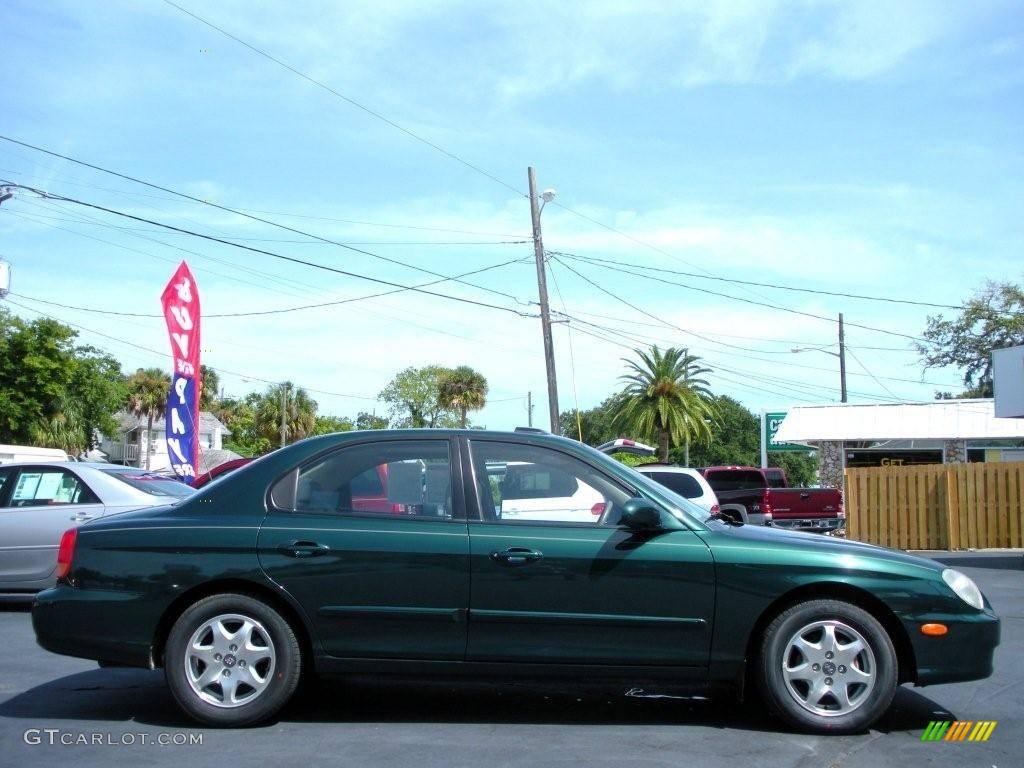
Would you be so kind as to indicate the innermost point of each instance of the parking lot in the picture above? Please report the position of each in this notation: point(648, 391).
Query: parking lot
point(103, 715)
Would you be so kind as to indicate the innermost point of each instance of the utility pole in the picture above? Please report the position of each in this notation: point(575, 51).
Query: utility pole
point(542, 287)
point(842, 359)
point(284, 409)
point(529, 409)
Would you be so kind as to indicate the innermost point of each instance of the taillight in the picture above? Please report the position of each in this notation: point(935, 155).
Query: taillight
point(841, 514)
point(66, 553)
point(715, 509)
point(598, 509)
point(766, 503)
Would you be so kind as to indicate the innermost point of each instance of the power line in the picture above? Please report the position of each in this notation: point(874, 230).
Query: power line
point(282, 257)
point(290, 214)
point(165, 355)
point(645, 312)
point(737, 298)
point(232, 211)
point(348, 99)
point(283, 310)
point(596, 260)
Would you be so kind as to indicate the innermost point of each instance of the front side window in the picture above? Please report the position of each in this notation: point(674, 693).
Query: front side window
point(408, 478)
point(520, 483)
point(735, 480)
point(44, 487)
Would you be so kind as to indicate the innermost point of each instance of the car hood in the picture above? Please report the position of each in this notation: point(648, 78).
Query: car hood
point(819, 543)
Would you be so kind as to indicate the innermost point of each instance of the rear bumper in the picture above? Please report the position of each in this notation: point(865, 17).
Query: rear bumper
point(964, 653)
point(810, 523)
point(86, 624)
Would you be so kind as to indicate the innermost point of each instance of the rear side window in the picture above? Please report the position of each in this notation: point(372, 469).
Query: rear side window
point(740, 480)
point(775, 478)
point(152, 483)
point(683, 484)
point(387, 479)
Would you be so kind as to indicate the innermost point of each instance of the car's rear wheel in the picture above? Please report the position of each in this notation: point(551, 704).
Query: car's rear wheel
point(232, 660)
point(828, 666)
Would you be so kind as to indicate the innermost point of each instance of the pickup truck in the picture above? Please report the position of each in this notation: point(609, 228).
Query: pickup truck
point(761, 497)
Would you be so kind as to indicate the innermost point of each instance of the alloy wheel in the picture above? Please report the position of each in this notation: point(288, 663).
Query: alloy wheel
point(229, 660)
point(829, 668)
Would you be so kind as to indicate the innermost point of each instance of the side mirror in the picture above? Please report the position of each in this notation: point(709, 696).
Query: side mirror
point(640, 515)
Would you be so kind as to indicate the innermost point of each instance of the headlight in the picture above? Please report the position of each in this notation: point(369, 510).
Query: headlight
point(964, 587)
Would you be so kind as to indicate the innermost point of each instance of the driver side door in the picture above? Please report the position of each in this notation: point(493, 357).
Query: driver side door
point(557, 580)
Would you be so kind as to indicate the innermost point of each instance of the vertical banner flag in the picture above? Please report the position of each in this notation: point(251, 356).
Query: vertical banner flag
point(180, 301)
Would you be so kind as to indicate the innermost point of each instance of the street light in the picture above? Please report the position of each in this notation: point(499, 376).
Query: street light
point(542, 289)
point(841, 354)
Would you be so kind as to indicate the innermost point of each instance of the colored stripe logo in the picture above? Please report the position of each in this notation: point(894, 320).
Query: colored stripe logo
point(958, 730)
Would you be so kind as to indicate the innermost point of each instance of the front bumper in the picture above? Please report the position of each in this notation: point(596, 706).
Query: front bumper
point(964, 653)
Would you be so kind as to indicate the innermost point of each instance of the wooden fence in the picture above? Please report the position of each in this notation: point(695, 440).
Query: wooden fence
point(937, 506)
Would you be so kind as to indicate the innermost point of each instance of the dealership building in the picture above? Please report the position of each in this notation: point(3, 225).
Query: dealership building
point(943, 431)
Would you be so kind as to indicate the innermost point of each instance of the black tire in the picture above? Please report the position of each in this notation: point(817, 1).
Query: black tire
point(258, 701)
point(800, 703)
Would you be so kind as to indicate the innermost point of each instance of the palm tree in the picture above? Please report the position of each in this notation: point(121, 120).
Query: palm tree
point(299, 414)
point(665, 396)
point(147, 397)
point(464, 390)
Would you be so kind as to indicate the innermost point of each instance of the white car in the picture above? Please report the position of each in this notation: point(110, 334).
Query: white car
point(688, 483)
point(41, 500)
point(542, 493)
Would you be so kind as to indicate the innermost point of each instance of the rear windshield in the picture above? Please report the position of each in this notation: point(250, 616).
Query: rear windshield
point(683, 484)
point(152, 483)
point(735, 480)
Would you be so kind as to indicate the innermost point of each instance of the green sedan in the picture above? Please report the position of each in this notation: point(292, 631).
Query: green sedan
point(498, 555)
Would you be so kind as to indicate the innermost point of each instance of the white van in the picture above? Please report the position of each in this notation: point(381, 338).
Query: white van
point(25, 453)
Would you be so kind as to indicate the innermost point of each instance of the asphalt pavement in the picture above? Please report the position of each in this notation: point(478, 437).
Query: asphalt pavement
point(105, 715)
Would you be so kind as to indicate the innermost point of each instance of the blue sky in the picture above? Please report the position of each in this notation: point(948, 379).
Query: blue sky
point(870, 148)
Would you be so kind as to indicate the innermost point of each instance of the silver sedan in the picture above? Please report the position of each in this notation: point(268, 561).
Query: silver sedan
point(38, 502)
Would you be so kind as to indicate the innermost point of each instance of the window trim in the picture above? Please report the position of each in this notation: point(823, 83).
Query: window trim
point(478, 505)
point(455, 477)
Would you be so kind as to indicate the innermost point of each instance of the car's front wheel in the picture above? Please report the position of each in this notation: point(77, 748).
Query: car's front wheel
point(828, 666)
point(231, 660)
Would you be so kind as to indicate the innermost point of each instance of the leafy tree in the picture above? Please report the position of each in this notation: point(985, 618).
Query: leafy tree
point(53, 393)
point(462, 390)
point(737, 440)
point(299, 416)
point(665, 398)
point(370, 421)
point(325, 425)
point(414, 399)
point(991, 319)
point(596, 423)
point(147, 391)
point(209, 392)
point(239, 416)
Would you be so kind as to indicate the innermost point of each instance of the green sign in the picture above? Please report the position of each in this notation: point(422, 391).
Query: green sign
point(772, 422)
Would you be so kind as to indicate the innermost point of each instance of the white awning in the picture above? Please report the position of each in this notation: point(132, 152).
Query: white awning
point(943, 420)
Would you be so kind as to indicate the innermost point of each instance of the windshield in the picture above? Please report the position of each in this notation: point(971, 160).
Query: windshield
point(152, 483)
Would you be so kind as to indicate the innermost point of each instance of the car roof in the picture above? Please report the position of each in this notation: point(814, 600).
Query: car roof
point(668, 468)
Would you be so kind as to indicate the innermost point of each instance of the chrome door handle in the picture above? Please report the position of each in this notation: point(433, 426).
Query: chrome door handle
point(517, 556)
point(81, 518)
point(303, 549)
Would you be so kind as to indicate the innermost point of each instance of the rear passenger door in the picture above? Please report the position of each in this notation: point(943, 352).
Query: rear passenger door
point(39, 503)
point(371, 540)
